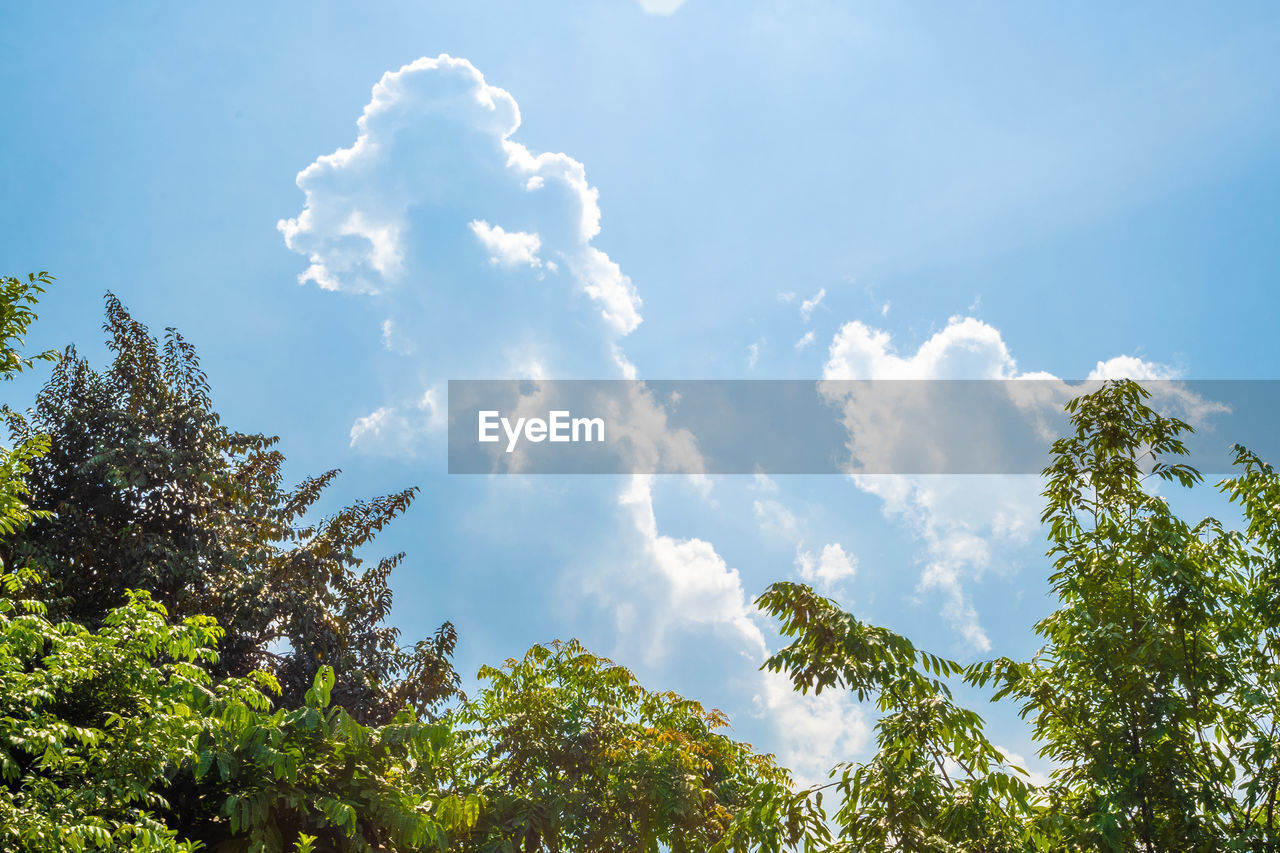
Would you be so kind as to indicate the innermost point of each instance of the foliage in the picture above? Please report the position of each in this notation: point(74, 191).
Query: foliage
point(118, 739)
point(266, 781)
point(1155, 692)
point(935, 783)
point(17, 313)
point(18, 300)
point(76, 776)
point(278, 712)
point(570, 753)
point(144, 488)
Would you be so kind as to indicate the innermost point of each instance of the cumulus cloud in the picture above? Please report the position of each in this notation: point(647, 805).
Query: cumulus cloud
point(508, 248)
point(699, 592)
point(1132, 367)
point(481, 254)
point(436, 136)
point(826, 570)
point(966, 349)
point(480, 248)
point(701, 589)
point(960, 520)
point(817, 730)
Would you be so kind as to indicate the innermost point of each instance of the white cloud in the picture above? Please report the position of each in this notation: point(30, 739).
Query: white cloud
point(396, 431)
point(435, 191)
point(701, 588)
point(776, 519)
point(805, 341)
point(434, 154)
point(806, 307)
point(1167, 393)
point(965, 349)
point(1018, 760)
point(660, 7)
point(394, 340)
point(603, 281)
point(816, 730)
point(641, 431)
point(375, 426)
point(1132, 367)
point(508, 248)
point(753, 355)
point(828, 569)
point(700, 591)
point(960, 520)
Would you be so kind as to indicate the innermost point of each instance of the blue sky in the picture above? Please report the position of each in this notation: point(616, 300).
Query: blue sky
point(816, 189)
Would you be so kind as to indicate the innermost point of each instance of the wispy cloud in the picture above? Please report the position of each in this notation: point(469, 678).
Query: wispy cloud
point(807, 306)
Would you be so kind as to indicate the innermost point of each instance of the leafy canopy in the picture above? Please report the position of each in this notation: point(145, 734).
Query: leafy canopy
point(570, 754)
point(141, 486)
point(1154, 695)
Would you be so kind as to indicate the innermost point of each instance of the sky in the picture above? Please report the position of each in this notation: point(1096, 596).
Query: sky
point(344, 207)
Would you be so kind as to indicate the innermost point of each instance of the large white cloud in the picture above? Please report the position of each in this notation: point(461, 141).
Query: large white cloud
point(962, 521)
point(479, 249)
point(966, 349)
point(481, 253)
point(433, 133)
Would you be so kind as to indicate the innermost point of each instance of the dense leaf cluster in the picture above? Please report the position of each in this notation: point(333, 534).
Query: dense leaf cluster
point(570, 753)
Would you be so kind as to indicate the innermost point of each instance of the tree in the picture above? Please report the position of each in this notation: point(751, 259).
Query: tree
point(570, 754)
point(119, 738)
point(17, 312)
point(936, 783)
point(144, 488)
point(1155, 692)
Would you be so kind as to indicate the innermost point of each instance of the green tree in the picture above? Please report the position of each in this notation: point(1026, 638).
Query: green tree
point(935, 783)
point(118, 738)
point(144, 488)
point(18, 299)
point(1154, 695)
point(570, 754)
